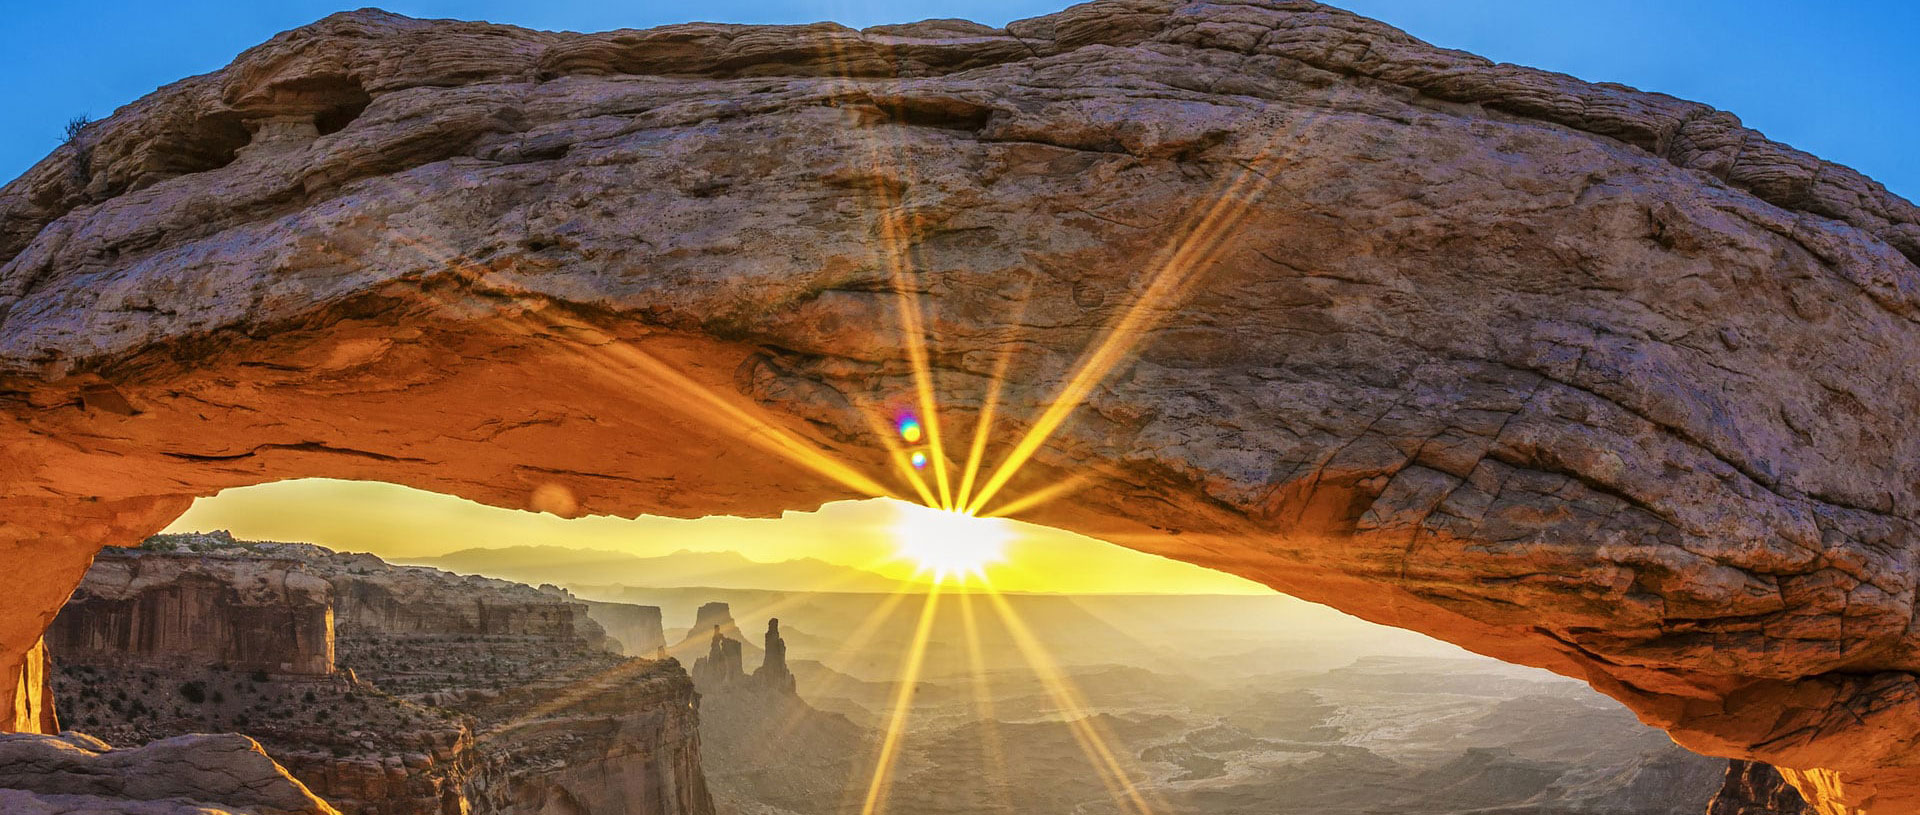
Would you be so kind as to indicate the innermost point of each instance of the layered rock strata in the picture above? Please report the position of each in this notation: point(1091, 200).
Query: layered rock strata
point(637, 628)
point(178, 607)
point(513, 704)
point(1571, 374)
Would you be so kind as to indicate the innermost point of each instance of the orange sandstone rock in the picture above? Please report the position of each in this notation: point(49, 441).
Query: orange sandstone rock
point(1570, 374)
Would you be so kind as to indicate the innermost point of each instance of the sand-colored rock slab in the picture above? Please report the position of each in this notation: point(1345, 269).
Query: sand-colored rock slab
point(1570, 374)
point(226, 772)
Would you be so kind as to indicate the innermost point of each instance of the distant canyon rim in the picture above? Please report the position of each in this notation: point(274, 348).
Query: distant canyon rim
point(1570, 374)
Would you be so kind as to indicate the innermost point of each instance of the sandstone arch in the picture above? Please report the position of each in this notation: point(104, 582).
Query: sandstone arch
point(1570, 374)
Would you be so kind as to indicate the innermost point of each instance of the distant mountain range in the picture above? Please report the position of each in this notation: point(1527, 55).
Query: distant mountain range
point(564, 565)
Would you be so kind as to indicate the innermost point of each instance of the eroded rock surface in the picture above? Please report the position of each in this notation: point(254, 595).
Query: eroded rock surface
point(637, 628)
point(187, 610)
point(1573, 375)
point(1752, 788)
point(72, 772)
point(513, 703)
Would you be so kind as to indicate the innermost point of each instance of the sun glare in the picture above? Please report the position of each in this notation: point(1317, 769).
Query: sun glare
point(949, 543)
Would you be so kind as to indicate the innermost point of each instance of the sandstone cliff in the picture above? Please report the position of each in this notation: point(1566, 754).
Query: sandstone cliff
point(637, 628)
point(513, 702)
point(251, 614)
point(1571, 374)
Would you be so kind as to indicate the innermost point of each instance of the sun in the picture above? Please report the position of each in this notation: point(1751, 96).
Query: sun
point(949, 543)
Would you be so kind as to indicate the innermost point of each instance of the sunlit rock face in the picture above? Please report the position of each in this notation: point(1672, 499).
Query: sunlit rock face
point(187, 775)
point(1570, 374)
point(490, 697)
point(189, 610)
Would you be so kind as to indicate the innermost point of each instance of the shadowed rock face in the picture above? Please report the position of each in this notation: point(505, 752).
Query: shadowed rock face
point(1755, 789)
point(1570, 374)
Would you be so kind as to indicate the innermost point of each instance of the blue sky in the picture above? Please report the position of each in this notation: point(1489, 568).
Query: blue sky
point(1842, 81)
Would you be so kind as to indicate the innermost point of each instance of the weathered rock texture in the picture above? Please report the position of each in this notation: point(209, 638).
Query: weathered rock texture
point(1571, 374)
point(636, 627)
point(76, 773)
point(185, 609)
point(526, 707)
point(1753, 788)
point(620, 739)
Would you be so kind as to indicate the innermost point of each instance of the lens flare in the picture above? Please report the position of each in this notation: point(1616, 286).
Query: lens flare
point(911, 431)
point(919, 460)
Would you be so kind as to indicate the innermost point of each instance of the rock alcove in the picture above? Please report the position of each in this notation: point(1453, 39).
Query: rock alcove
point(1572, 375)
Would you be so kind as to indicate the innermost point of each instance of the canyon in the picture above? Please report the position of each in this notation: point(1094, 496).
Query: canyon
point(451, 695)
point(1573, 375)
point(1211, 705)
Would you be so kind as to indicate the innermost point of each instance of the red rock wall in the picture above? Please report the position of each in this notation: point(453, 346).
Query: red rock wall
point(157, 609)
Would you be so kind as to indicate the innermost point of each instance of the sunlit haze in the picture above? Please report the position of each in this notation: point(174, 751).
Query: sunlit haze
point(400, 523)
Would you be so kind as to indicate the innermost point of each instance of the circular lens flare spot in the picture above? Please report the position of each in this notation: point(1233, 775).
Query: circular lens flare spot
point(918, 459)
point(949, 543)
point(911, 430)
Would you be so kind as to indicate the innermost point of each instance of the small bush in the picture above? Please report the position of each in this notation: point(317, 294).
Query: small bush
point(193, 692)
point(259, 676)
point(75, 125)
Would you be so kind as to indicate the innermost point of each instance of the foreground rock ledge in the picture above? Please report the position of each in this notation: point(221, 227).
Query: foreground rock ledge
point(1570, 374)
point(225, 774)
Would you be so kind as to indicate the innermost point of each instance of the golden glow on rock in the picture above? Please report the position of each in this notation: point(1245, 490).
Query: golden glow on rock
point(397, 522)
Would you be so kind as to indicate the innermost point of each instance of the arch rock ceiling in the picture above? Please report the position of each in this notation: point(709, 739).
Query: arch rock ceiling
point(1570, 374)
